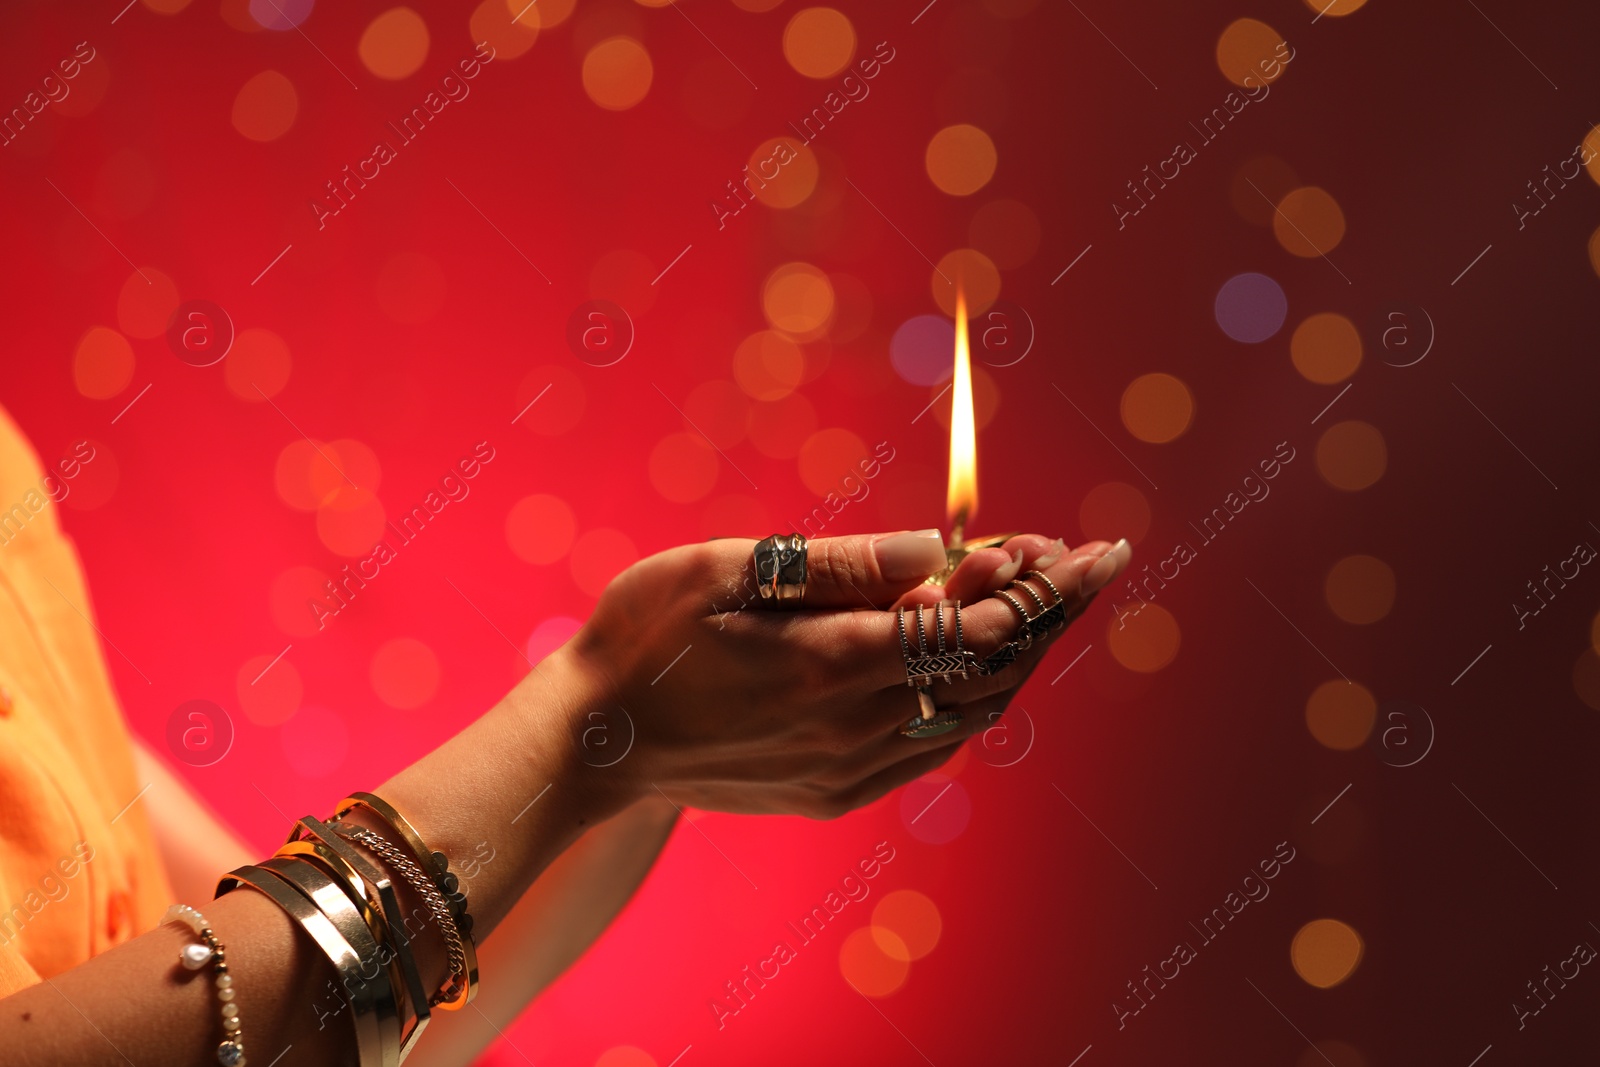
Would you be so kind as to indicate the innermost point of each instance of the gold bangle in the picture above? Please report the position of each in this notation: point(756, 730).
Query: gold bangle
point(437, 866)
point(372, 891)
point(372, 1003)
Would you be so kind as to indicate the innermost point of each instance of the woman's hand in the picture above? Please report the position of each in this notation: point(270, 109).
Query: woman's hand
point(733, 703)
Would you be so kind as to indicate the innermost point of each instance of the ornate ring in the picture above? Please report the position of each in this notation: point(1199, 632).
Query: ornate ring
point(781, 567)
point(942, 723)
point(943, 663)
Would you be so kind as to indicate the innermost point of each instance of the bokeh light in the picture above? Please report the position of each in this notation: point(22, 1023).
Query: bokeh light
point(351, 522)
point(404, 673)
point(559, 399)
point(395, 44)
point(798, 300)
point(1326, 348)
point(683, 467)
point(509, 32)
point(828, 457)
point(819, 42)
point(278, 14)
point(1585, 676)
point(630, 1055)
point(102, 364)
point(923, 348)
point(913, 921)
point(960, 159)
point(146, 303)
point(1308, 222)
point(1360, 589)
point(1325, 952)
point(598, 556)
point(624, 277)
point(1250, 53)
point(1144, 638)
point(1340, 714)
point(617, 73)
point(720, 410)
point(1157, 408)
point(166, 7)
point(767, 365)
point(1114, 510)
point(973, 273)
point(269, 689)
point(783, 174)
point(550, 635)
point(1257, 187)
point(1335, 9)
point(1250, 307)
point(258, 365)
point(867, 967)
point(1351, 455)
point(265, 107)
point(540, 528)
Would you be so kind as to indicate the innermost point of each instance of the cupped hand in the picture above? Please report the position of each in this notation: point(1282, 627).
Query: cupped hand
point(732, 702)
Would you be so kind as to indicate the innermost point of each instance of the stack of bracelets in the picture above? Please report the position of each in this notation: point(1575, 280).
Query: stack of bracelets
point(325, 877)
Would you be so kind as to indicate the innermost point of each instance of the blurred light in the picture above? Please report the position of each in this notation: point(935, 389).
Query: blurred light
point(395, 44)
point(683, 467)
point(404, 673)
point(239, 14)
point(1157, 408)
point(828, 457)
point(166, 7)
point(280, 14)
point(550, 635)
point(1585, 676)
point(1007, 231)
point(617, 73)
point(1340, 714)
point(1250, 307)
point(920, 349)
point(291, 475)
point(1337, 9)
point(1325, 952)
point(1326, 348)
point(88, 89)
point(913, 922)
point(819, 42)
point(509, 32)
point(793, 174)
point(410, 288)
point(1113, 510)
point(935, 808)
point(1594, 250)
point(1258, 186)
point(798, 300)
point(1335, 1053)
point(767, 365)
point(1591, 146)
point(598, 556)
point(292, 593)
point(1145, 639)
point(270, 698)
point(1351, 455)
point(258, 365)
point(1308, 222)
point(720, 410)
point(351, 522)
point(146, 303)
point(867, 968)
point(551, 12)
point(343, 466)
point(1250, 53)
point(629, 1055)
point(540, 528)
point(970, 271)
point(779, 428)
point(756, 5)
point(315, 742)
point(1360, 589)
point(102, 366)
point(960, 159)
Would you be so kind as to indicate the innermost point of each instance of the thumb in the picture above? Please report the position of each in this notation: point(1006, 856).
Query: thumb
point(869, 570)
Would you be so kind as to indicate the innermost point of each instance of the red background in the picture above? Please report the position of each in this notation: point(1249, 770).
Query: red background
point(1424, 121)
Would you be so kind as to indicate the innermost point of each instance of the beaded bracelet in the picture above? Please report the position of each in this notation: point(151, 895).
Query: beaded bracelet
point(230, 1053)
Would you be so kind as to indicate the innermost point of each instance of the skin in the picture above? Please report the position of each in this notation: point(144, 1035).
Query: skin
point(734, 705)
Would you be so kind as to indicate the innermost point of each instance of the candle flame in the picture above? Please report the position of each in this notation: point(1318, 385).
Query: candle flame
point(961, 497)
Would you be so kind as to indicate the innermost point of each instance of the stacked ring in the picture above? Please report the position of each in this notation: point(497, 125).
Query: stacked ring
point(1049, 617)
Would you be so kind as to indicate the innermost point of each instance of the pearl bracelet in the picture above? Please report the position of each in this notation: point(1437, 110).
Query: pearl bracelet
point(230, 1053)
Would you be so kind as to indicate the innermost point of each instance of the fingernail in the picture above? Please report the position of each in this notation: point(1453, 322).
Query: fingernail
point(1007, 571)
point(1051, 556)
point(910, 555)
point(1107, 567)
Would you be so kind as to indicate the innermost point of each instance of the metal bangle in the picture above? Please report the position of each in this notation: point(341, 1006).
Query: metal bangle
point(372, 1003)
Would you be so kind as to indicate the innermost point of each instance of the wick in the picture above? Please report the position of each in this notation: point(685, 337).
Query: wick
point(958, 530)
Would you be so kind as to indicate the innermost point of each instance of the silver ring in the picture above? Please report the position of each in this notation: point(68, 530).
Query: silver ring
point(942, 664)
point(780, 562)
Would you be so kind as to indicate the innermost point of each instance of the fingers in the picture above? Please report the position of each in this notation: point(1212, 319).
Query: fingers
point(869, 570)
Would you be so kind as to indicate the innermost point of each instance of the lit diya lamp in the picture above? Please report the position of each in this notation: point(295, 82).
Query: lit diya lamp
point(961, 494)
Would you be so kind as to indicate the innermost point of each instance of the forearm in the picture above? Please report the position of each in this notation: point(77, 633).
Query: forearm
point(135, 1002)
point(571, 904)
